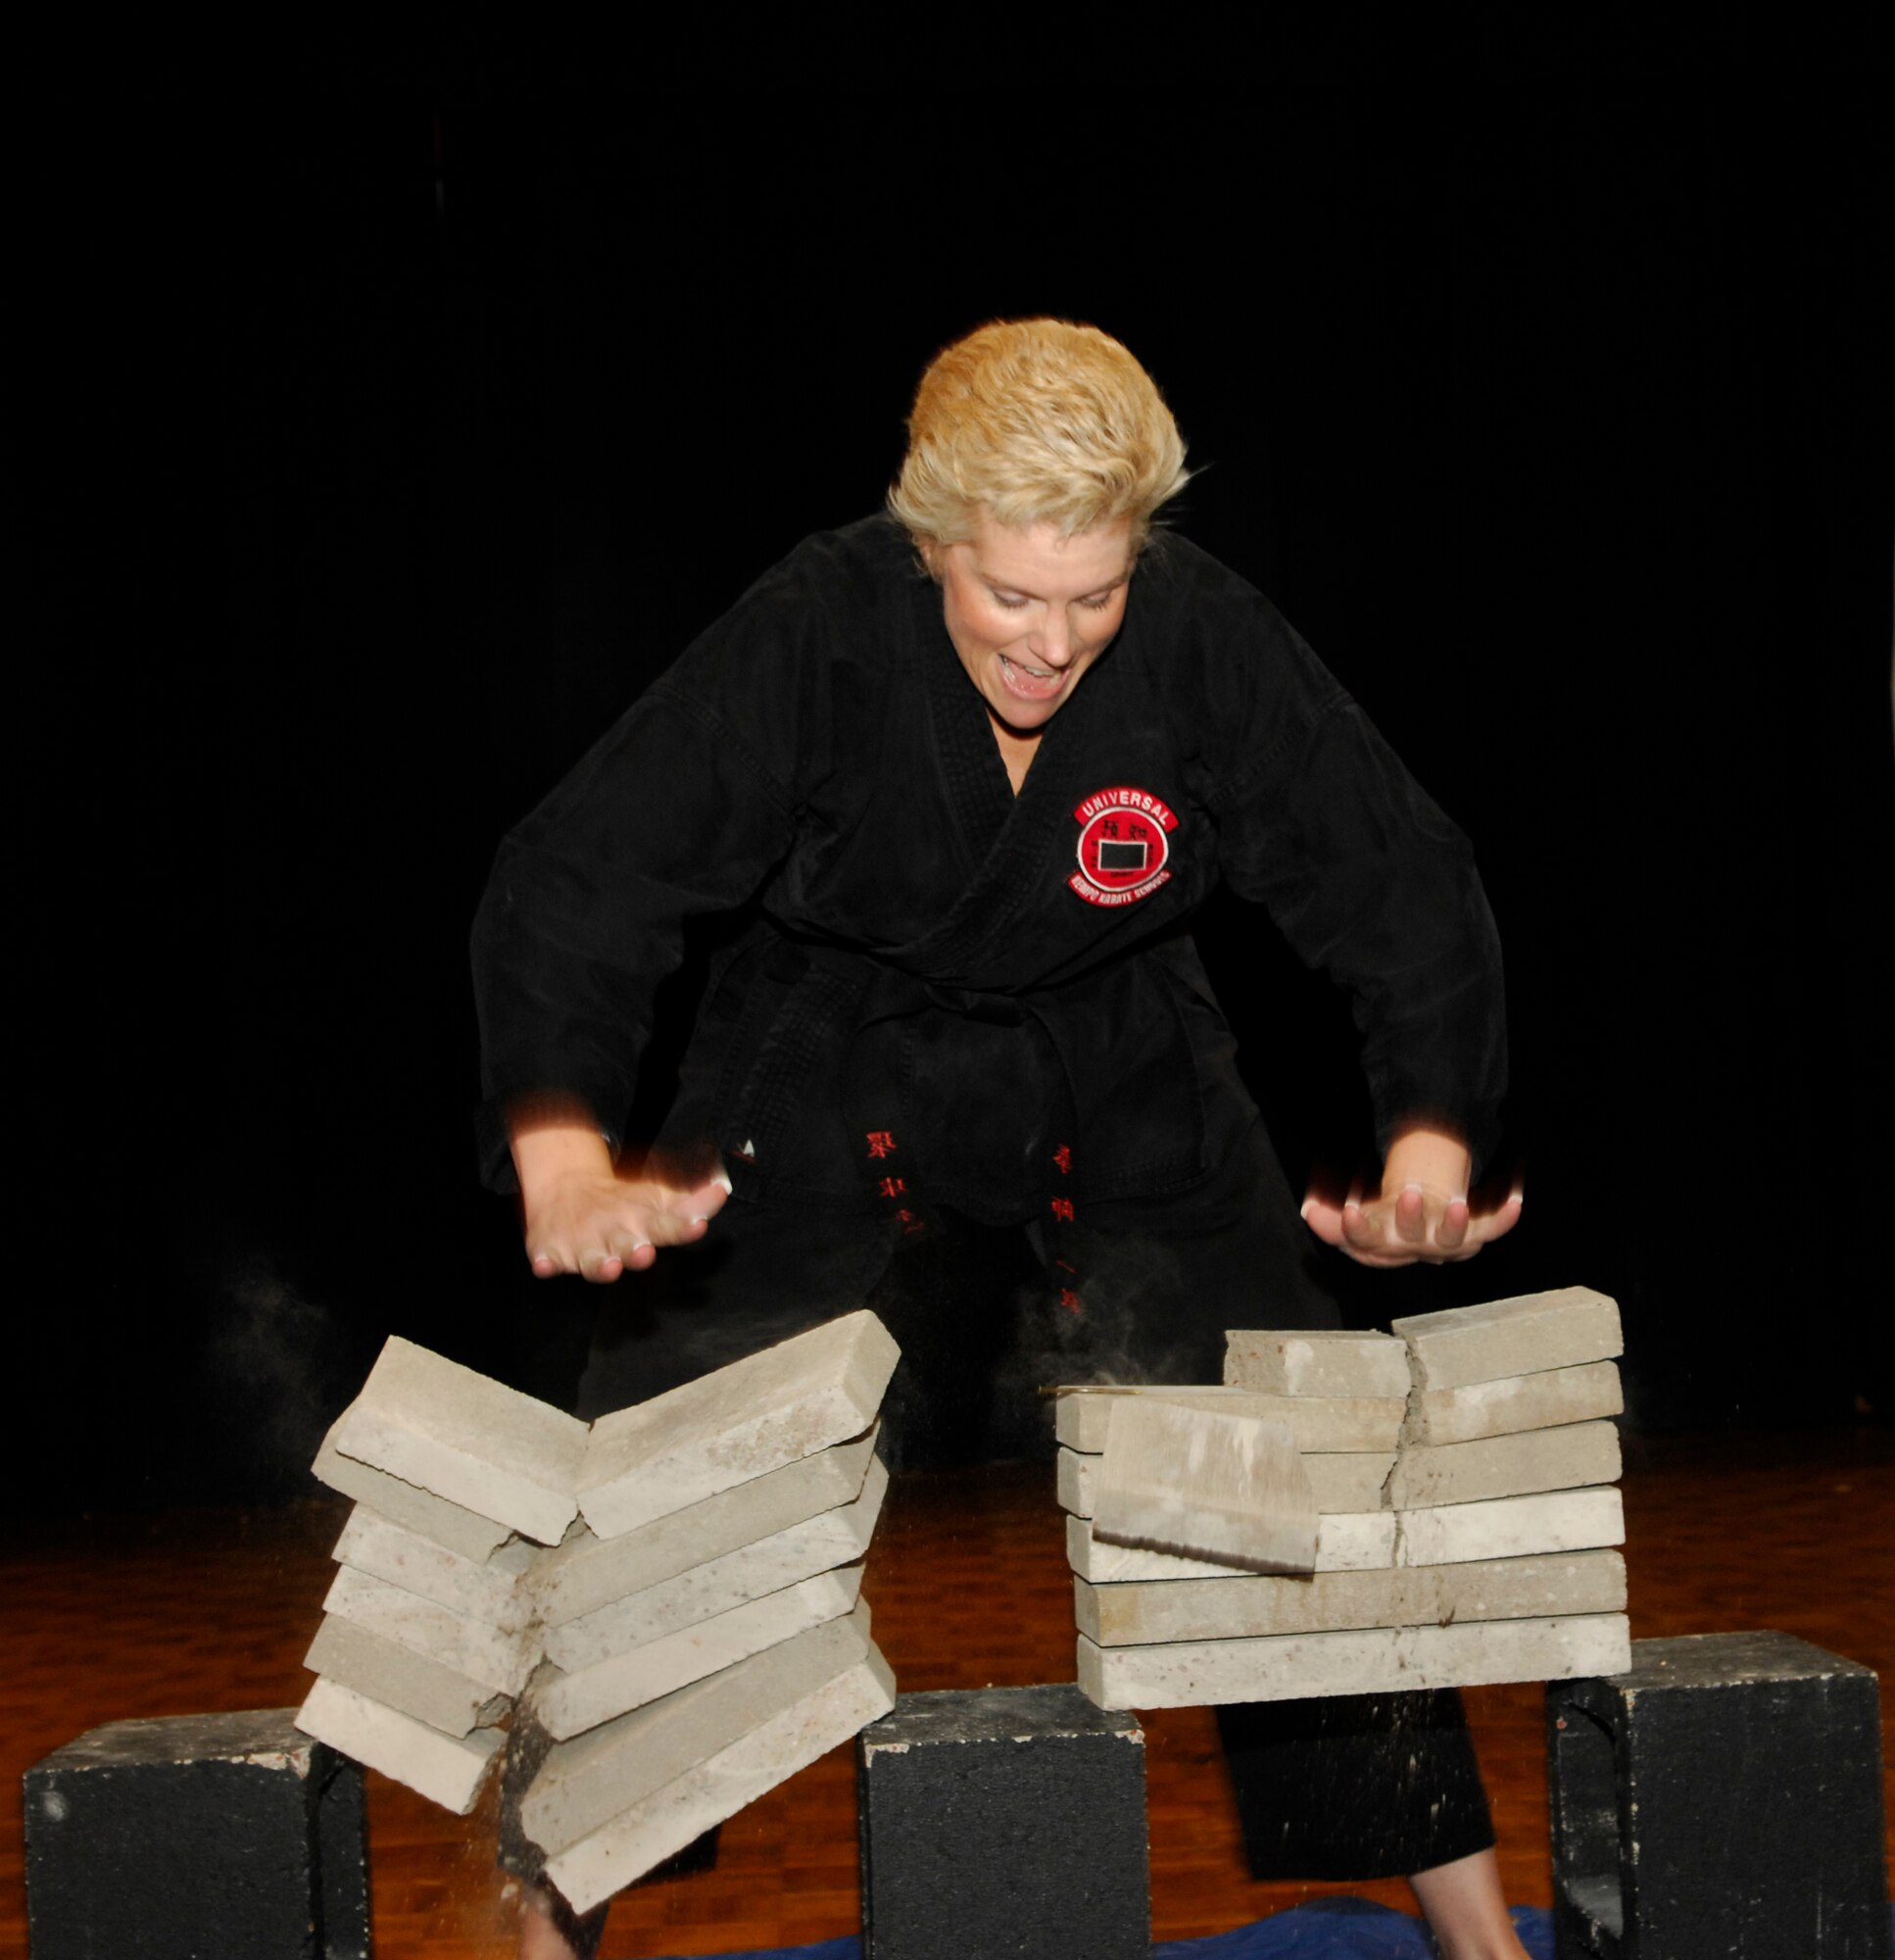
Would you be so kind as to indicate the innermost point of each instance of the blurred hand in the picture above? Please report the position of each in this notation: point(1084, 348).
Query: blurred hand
point(1419, 1212)
point(583, 1216)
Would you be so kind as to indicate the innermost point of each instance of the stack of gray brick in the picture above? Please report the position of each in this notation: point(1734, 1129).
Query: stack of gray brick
point(428, 1633)
point(679, 1585)
point(1465, 1466)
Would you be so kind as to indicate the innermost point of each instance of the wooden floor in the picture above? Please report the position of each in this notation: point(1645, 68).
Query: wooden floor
point(188, 1612)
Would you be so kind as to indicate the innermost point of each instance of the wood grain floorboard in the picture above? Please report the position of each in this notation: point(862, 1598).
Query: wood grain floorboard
point(187, 1612)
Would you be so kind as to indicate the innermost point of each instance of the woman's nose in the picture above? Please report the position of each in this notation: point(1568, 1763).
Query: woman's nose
point(1052, 644)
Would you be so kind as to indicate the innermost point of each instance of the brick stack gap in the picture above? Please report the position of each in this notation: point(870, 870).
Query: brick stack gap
point(671, 1595)
point(1465, 1466)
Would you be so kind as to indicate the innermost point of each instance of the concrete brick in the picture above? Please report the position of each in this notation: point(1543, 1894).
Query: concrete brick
point(1514, 1402)
point(1510, 1528)
point(500, 1662)
point(1342, 1483)
point(447, 1770)
point(1206, 1486)
point(1374, 1661)
point(1724, 1796)
point(406, 1504)
point(1525, 1335)
point(1354, 1541)
point(769, 1409)
point(196, 1834)
point(568, 1704)
point(475, 1442)
point(1316, 1361)
point(392, 1675)
point(588, 1780)
point(589, 1572)
point(1506, 1466)
point(1321, 1423)
point(787, 1558)
point(1003, 1821)
point(1140, 1614)
point(675, 1817)
point(488, 1590)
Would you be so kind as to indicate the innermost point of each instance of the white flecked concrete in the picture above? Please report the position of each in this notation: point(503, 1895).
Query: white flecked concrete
point(588, 1781)
point(1352, 1543)
point(455, 1704)
point(663, 1824)
point(488, 1590)
point(589, 1572)
point(1510, 1527)
point(1515, 1403)
point(1341, 1483)
point(475, 1442)
point(1316, 1361)
point(1137, 1614)
point(447, 1770)
point(1372, 1661)
point(1321, 1423)
point(420, 1511)
point(1525, 1335)
point(1205, 1483)
point(1506, 1466)
point(500, 1661)
point(817, 1544)
point(568, 1704)
point(769, 1409)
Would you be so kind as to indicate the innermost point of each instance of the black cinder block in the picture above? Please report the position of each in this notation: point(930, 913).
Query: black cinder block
point(1723, 1798)
point(197, 1838)
point(1004, 1821)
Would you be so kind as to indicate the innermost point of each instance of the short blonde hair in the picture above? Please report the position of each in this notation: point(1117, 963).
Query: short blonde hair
point(1036, 421)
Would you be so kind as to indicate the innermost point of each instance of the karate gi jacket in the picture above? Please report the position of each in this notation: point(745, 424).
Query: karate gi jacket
point(949, 981)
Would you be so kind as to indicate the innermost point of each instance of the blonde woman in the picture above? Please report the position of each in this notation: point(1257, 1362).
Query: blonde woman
point(972, 764)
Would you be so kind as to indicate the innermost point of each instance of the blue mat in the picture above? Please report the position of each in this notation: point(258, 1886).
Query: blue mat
point(1337, 1928)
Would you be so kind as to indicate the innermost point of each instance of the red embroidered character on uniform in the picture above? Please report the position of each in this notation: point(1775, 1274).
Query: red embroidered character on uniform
point(1062, 1208)
point(1069, 1299)
point(1124, 843)
point(880, 1143)
point(1063, 1158)
point(891, 1187)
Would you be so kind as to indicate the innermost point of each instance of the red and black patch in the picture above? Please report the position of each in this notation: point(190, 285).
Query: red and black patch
point(1124, 844)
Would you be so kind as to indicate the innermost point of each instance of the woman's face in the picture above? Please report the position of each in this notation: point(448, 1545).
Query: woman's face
point(1028, 610)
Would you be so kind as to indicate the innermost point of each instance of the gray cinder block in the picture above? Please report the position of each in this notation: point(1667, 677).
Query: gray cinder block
point(589, 1572)
point(1521, 1465)
point(197, 1834)
point(1003, 1821)
point(1372, 1660)
point(1317, 1361)
point(1319, 1423)
point(1353, 1482)
point(1530, 1334)
point(1724, 1797)
point(474, 1441)
point(1348, 1542)
point(1515, 1403)
point(767, 1410)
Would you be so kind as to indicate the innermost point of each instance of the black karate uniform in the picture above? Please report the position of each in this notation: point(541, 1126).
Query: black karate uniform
point(957, 1003)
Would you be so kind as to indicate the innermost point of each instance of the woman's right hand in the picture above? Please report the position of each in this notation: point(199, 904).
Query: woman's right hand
point(583, 1218)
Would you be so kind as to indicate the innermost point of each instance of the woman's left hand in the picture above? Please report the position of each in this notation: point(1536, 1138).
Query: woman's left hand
point(1420, 1214)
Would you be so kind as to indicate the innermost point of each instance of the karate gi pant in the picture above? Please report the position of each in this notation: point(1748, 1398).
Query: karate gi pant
point(1345, 1787)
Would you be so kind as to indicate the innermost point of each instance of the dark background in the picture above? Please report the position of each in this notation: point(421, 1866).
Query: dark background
point(379, 439)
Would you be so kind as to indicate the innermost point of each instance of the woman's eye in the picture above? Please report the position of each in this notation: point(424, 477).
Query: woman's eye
point(1100, 603)
point(1012, 604)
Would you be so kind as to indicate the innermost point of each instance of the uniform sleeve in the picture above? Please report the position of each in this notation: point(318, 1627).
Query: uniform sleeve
point(683, 810)
point(1371, 883)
